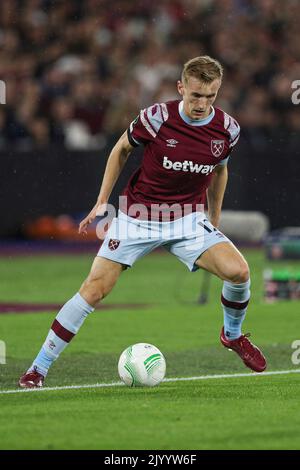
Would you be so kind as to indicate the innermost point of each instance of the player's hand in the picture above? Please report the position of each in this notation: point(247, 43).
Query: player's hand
point(98, 209)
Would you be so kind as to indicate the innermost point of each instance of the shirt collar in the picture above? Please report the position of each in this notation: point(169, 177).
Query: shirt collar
point(195, 122)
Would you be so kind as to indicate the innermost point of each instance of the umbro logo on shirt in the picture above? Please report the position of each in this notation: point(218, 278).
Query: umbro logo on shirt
point(188, 165)
point(171, 142)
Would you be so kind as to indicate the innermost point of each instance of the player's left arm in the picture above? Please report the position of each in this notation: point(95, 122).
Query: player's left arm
point(215, 194)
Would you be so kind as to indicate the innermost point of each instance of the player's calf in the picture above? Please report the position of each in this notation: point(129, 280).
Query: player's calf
point(234, 299)
point(101, 280)
point(69, 320)
point(95, 289)
point(65, 326)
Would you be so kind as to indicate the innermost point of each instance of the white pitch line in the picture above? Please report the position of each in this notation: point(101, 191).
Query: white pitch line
point(173, 379)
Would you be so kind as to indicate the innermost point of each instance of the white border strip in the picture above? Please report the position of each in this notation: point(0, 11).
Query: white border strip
point(174, 379)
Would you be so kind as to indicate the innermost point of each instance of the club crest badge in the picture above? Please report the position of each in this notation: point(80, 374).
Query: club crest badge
point(217, 147)
point(113, 244)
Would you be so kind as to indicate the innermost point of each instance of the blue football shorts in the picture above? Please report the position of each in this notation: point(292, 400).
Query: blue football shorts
point(128, 239)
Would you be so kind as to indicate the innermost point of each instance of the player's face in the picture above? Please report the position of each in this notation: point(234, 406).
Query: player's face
point(198, 97)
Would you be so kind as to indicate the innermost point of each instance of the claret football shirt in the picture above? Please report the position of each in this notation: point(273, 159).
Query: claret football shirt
point(180, 154)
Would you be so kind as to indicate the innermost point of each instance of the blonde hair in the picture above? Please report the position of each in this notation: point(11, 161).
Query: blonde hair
point(204, 68)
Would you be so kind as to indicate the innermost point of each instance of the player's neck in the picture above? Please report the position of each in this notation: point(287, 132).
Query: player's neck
point(196, 122)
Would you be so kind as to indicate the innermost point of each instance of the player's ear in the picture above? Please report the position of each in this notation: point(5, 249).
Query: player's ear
point(180, 87)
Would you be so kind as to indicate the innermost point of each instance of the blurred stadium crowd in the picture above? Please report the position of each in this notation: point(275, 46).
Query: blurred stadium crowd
point(78, 71)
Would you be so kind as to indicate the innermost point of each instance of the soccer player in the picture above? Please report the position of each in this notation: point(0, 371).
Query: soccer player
point(187, 144)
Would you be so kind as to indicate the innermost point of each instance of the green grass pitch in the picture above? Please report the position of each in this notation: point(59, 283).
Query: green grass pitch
point(253, 412)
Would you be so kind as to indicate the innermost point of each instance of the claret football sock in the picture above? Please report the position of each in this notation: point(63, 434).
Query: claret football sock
point(65, 326)
point(235, 299)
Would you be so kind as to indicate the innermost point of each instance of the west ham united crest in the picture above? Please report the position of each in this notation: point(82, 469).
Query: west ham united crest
point(113, 244)
point(217, 147)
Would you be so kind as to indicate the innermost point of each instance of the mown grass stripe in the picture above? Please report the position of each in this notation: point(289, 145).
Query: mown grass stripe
point(173, 379)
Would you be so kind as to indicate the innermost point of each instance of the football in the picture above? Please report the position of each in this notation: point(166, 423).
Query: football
point(141, 365)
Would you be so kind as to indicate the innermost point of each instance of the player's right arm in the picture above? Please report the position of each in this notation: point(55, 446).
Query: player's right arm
point(115, 163)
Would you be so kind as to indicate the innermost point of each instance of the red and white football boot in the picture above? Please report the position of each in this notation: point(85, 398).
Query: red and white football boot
point(250, 354)
point(31, 379)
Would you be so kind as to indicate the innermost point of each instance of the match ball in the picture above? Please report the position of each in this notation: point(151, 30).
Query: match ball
point(141, 365)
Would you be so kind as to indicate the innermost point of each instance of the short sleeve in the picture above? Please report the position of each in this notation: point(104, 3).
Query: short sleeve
point(145, 127)
point(234, 134)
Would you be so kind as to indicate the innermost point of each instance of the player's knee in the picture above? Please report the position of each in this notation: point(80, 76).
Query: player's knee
point(94, 290)
point(241, 274)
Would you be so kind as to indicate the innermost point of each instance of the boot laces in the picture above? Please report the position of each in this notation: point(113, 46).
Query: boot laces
point(251, 349)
